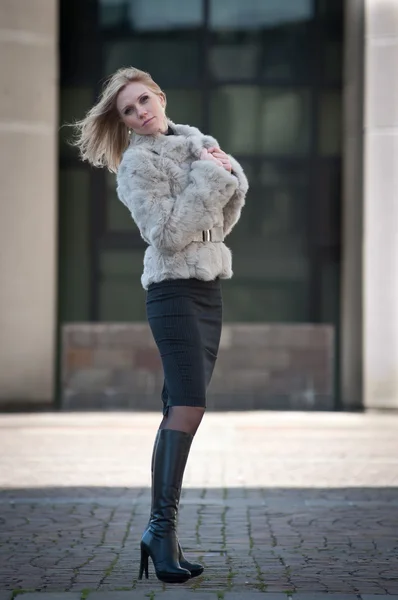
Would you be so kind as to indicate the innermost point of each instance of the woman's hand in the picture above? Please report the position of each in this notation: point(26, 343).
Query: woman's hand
point(206, 155)
point(222, 157)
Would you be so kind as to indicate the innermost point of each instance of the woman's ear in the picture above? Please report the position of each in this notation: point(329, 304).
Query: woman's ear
point(162, 100)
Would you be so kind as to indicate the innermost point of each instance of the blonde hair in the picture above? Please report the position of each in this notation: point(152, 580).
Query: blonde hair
point(102, 136)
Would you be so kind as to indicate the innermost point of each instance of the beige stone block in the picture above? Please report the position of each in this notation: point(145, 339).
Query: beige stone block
point(380, 272)
point(137, 335)
point(112, 358)
point(78, 335)
point(27, 83)
point(382, 17)
point(382, 86)
point(37, 16)
point(89, 380)
point(27, 265)
point(381, 181)
point(78, 358)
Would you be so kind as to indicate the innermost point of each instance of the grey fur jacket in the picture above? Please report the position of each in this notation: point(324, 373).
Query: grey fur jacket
point(173, 196)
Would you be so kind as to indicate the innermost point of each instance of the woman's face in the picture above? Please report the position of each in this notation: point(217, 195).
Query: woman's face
point(141, 109)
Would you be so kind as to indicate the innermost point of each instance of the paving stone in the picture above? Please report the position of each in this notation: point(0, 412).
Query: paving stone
point(183, 594)
point(126, 595)
point(50, 596)
point(254, 596)
point(325, 596)
point(377, 597)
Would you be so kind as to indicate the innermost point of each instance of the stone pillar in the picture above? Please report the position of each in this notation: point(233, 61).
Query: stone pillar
point(351, 300)
point(28, 175)
point(380, 242)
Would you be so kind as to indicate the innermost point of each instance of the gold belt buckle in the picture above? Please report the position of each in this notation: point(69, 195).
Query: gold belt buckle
point(206, 235)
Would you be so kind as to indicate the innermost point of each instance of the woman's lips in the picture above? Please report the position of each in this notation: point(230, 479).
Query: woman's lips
point(148, 121)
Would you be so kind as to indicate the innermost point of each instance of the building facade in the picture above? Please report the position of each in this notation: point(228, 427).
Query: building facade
point(281, 85)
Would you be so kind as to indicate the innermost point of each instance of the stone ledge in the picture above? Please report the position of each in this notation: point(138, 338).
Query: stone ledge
point(114, 366)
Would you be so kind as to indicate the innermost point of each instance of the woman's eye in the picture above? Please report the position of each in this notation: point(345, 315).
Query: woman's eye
point(144, 99)
point(127, 111)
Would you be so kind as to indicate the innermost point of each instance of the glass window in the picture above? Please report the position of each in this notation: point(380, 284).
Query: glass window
point(330, 286)
point(331, 32)
point(167, 60)
point(74, 259)
point(271, 240)
point(332, 60)
point(280, 53)
point(286, 116)
point(151, 15)
point(78, 42)
point(265, 302)
point(330, 115)
point(122, 297)
point(74, 103)
point(256, 14)
point(327, 213)
point(286, 53)
point(252, 120)
point(185, 106)
point(331, 9)
point(113, 13)
point(235, 57)
point(270, 247)
point(118, 215)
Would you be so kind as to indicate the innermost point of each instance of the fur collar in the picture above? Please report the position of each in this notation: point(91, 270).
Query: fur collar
point(186, 137)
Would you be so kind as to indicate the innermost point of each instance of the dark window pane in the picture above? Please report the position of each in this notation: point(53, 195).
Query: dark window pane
point(331, 33)
point(74, 260)
point(179, 60)
point(270, 243)
point(327, 213)
point(256, 14)
point(253, 120)
point(118, 215)
point(332, 60)
point(331, 9)
point(286, 121)
point(286, 53)
point(265, 301)
point(235, 57)
point(151, 15)
point(275, 46)
point(330, 287)
point(330, 126)
point(122, 297)
point(279, 53)
point(185, 106)
point(74, 103)
point(114, 13)
point(277, 204)
point(79, 50)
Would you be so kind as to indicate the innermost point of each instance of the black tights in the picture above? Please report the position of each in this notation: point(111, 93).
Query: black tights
point(183, 418)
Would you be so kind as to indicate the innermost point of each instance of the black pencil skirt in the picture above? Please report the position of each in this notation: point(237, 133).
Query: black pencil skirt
point(185, 316)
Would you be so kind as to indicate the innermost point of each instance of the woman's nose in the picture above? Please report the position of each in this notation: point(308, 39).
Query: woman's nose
point(142, 113)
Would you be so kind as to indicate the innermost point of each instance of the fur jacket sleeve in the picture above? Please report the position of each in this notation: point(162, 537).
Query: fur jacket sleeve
point(232, 210)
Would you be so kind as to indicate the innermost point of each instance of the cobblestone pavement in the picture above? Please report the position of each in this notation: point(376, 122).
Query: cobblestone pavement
point(274, 504)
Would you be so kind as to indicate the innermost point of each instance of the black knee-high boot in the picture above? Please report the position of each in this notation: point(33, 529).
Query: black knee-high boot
point(160, 538)
point(195, 569)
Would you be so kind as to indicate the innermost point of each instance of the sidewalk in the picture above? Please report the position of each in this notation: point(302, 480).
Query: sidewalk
point(274, 504)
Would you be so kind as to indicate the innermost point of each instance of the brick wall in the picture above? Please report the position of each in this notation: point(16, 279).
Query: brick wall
point(116, 366)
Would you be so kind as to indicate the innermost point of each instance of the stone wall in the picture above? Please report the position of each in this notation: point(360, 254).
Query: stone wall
point(117, 366)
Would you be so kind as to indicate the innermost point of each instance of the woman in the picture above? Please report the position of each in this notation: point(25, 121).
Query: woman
point(185, 195)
